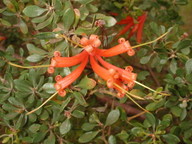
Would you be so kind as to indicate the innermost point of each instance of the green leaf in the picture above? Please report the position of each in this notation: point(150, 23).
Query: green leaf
point(171, 139)
point(83, 13)
point(45, 23)
point(44, 115)
point(34, 128)
point(5, 23)
point(11, 115)
point(137, 131)
point(33, 11)
point(78, 114)
point(49, 88)
point(82, 30)
point(23, 27)
point(20, 122)
point(65, 127)
point(50, 139)
point(92, 8)
point(68, 18)
point(84, 1)
point(176, 111)
point(87, 83)
point(80, 99)
point(34, 50)
point(112, 139)
point(123, 135)
point(151, 119)
point(46, 35)
point(155, 105)
point(145, 59)
point(39, 19)
point(88, 136)
point(94, 118)
point(109, 20)
point(112, 117)
point(88, 126)
point(34, 58)
point(188, 66)
point(173, 66)
point(142, 75)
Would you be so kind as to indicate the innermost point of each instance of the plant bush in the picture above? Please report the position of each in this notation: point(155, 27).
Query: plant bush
point(156, 110)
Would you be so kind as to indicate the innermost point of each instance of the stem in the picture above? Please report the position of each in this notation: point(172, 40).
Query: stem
point(135, 116)
point(164, 94)
point(68, 39)
point(27, 67)
point(130, 97)
point(42, 104)
point(144, 86)
point(150, 42)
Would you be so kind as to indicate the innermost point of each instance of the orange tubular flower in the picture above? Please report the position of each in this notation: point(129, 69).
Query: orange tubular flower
point(58, 61)
point(62, 83)
point(122, 47)
point(133, 27)
point(111, 74)
point(125, 75)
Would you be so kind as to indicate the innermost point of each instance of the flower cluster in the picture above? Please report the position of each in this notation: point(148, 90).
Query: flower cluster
point(133, 27)
point(125, 78)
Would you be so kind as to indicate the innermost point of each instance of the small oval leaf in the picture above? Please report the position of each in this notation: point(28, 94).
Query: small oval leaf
point(33, 11)
point(88, 136)
point(112, 117)
point(65, 127)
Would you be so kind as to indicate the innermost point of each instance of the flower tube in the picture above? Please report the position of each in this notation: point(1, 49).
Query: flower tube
point(110, 76)
point(123, 47)
point(125, 75)
point(59, 61)
point(62, 83)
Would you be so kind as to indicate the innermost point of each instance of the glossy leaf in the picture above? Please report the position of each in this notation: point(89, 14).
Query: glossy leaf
point(34, 58)
point(112, 117)
point(49, 88)
point(87, 83)
point(65, 127)
point(112, 139)
point(80, 99)
point(33, 11)
point(188, 66)
point(23, 27)
point(171, 139)
point(88, 136)
point(88, 126)
point(34, 50)
point(45, 23)
point(68, 18)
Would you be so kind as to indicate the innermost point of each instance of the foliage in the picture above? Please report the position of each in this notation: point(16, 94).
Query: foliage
point(91, 112)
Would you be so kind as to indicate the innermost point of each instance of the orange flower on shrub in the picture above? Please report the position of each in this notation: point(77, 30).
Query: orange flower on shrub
point(132, 27)
point(108, 72)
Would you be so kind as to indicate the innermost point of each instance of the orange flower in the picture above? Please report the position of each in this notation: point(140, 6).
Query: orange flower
point(63, 83)
point(133, 27)
point(110, 73)
point(58, 61)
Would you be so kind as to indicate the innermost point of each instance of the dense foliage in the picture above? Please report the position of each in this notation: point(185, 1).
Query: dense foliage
point(90, 112)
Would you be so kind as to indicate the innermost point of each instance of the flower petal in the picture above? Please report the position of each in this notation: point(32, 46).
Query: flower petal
point(140, 28)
